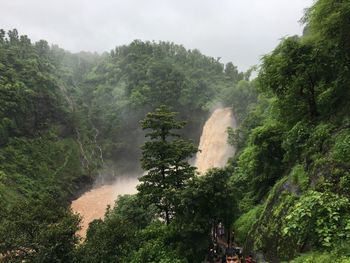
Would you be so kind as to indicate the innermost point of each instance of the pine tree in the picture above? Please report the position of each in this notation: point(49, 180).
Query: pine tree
point(164, 157)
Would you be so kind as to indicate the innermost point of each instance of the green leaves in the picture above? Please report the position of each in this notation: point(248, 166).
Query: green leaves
point(319, 218)
point(292, 73)
point(29, 94)
point(328, 21)
point(260, 164)
point(38, 231)
point(341, 149)
point(154, 246)
point(164, 158)
point(161, 122)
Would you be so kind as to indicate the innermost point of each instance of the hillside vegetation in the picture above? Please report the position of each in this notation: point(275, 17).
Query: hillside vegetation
point(293, 166)
point(65, 117)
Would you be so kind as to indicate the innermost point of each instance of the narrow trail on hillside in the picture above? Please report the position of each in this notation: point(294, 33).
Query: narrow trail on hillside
point(215, 152)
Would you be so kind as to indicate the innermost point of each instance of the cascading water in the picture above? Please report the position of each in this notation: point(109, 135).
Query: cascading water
point(215, 152)
point(92, 204)
point(213, 146)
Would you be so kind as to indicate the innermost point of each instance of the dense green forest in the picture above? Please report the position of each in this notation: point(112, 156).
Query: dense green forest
point(65, 117)
point(293, 165)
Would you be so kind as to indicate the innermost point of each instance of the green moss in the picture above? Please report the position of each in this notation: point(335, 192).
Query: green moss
point(341, 148)
point(273, 193)
point(245, 222)
point(300, 177)
point(266, 233)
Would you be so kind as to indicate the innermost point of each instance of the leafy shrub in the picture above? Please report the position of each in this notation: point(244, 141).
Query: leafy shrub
point(243, 225)
point(320, 139)
point(320, 257)
point(154, 246)
point(341, 149)
point(300, 177)
point(341, 254)
point(260, 164)
point(295, 140)
point(321, 219)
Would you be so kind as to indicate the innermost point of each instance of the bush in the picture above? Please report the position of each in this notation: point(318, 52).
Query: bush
point(260, 164)
point(300, 177)
point(154, 246)
point(341, 148)
point(245, 222)
point(320, 257)
point(340, 254)
point(319, 219)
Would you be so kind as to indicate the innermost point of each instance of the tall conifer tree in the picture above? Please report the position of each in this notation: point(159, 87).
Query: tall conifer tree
point(165, 158)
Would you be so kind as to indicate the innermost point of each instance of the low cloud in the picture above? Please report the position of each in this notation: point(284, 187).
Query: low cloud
point(235, 30)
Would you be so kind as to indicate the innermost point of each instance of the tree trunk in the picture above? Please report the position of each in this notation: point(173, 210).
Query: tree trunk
point(312, 99)
point(167, 217)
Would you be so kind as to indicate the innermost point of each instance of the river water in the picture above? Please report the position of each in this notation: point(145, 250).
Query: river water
point(92, 204)
point(214, 152)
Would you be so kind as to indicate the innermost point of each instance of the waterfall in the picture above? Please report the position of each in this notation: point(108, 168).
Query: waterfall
point(213, 146)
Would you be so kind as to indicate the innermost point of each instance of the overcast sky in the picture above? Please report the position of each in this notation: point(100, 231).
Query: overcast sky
point(236, 30)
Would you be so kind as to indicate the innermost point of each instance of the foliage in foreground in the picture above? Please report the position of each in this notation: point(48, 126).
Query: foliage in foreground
point(29, 231)
point(293, 158)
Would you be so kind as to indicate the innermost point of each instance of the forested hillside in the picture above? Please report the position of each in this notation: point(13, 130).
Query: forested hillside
point(293, 166)
point(66, 118)
point(132, 80)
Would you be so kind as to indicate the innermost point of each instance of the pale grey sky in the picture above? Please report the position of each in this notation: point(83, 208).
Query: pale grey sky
point(240, 31)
